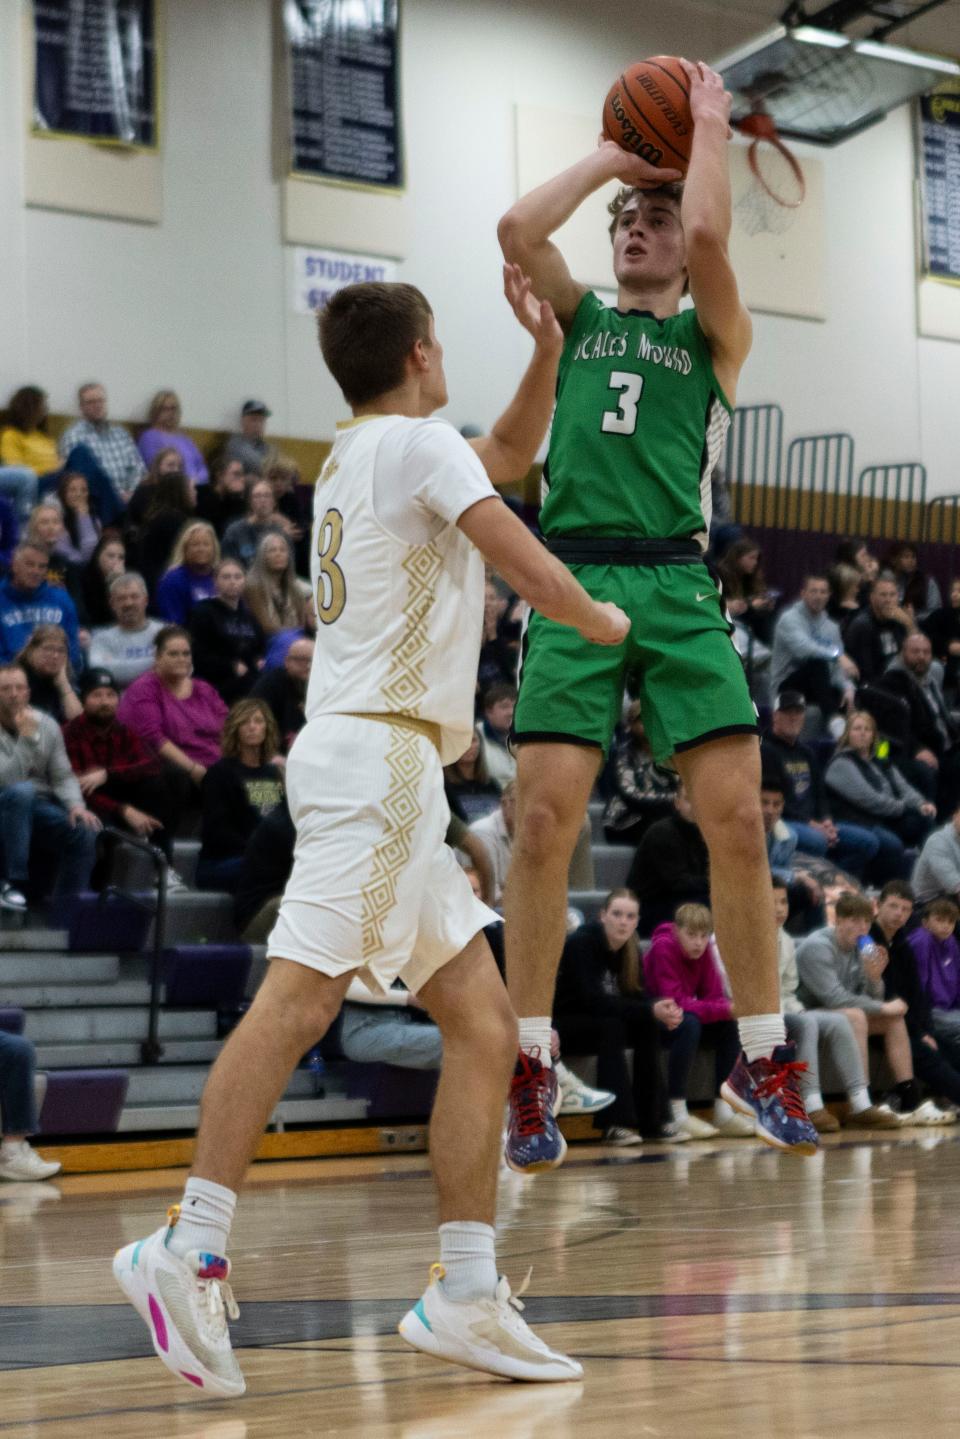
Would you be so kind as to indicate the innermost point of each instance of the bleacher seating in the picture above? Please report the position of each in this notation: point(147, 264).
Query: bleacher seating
point(84, 991)
point(87, 1015)
point(83, 1101)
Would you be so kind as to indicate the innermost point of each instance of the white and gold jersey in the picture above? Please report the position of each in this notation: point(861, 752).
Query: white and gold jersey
point(399, 588)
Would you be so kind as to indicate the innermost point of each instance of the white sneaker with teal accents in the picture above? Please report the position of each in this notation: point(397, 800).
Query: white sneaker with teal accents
point(485, 1334)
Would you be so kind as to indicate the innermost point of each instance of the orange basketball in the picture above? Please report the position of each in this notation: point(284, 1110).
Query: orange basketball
point(647, 111)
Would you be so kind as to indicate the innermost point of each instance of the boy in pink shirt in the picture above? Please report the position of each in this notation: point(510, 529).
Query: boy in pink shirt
point(681, 964)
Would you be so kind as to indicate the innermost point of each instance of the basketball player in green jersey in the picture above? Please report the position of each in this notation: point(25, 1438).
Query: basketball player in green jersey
point(644, 397)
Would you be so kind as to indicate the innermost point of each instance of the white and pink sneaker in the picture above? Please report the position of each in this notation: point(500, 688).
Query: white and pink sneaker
point(185, 1303)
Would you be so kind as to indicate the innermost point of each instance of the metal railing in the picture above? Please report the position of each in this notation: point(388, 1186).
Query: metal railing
point(819, 471)
point(151, 1050)
point(941, 521)
point(752, 461)
point(888, 504)
point(814, 488)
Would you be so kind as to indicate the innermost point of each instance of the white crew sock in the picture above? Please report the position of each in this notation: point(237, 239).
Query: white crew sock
point(678, 1108)
point(535, 1039)
point(10, 1148)
point(722, 1112)
point(813, 1100)
point(469, 1261)
point(760, 1034)
point(206, 1213)
point(859, 1099)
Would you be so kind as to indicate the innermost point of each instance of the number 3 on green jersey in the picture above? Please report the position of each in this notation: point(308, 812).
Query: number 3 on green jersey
point(623, 420)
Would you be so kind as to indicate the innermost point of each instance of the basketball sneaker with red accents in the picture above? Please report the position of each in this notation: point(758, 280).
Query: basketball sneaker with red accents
point(534, 1141)
point(184, 1302)
point(766, 1091)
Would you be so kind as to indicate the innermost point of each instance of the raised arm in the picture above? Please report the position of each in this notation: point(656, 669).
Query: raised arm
point(706, 216)
point(525, 230)
point(511, 446)
point(533, 573)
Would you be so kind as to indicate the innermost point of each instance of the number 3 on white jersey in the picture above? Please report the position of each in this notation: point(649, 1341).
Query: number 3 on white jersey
point(331, 585)
point(623, 420)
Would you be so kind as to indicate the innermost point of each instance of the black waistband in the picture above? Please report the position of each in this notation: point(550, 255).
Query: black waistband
point(622, 550)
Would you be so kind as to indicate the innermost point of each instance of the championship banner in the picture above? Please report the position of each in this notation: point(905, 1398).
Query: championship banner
point(940, 182)
point(344, 91)
point(96, 71)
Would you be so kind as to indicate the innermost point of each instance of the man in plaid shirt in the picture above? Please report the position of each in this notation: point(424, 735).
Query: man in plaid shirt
point(110, 445)
point(122, 781)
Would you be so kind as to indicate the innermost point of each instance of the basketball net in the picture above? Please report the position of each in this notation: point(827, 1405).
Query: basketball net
point(770, 202)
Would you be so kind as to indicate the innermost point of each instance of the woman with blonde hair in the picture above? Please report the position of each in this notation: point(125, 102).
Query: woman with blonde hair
point(878, 797)
point(846, 599)
point(238, 791)
point(190, 573)
point(273, 594)
point(163, 431)
point(45, 529)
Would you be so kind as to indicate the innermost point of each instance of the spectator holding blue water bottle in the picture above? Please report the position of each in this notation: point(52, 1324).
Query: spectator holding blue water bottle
point(841, 967)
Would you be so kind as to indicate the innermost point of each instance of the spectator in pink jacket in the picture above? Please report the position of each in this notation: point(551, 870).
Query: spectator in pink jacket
point(682, 964)
point(182, 718)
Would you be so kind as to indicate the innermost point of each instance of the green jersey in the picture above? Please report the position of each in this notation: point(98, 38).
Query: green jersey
point(639, 426)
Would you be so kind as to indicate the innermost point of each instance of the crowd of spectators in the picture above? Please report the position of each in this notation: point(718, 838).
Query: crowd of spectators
point(155, 639)
point(156, 636)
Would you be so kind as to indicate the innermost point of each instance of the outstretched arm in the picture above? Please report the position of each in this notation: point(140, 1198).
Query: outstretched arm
point(534, 574)
point(525, 230)
point(511, 447)
point(705, 213)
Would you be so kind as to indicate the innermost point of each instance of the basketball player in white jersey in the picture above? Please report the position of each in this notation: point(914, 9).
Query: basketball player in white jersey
point(404, 515)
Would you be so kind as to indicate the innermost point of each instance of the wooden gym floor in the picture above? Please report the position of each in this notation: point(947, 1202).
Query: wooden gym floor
point(712, 1290)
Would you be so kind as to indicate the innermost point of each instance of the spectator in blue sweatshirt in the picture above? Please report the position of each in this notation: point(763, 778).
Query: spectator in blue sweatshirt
point(9, 531)
point(190, 577)
point(27, 600)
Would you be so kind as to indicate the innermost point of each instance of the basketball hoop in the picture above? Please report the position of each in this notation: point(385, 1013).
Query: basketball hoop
point(770, 202)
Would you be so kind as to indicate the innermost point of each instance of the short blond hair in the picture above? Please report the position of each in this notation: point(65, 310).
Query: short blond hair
point(695, 918)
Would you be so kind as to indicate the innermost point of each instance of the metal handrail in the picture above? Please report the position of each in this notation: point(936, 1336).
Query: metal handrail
point(151, 1050)
point(942, 503)
point(897, 488)
point(752, 460)
point(819, 470)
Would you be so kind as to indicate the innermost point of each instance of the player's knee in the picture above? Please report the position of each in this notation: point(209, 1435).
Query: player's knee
point(306, 1001)
point(546, 831)
point(489, 1031)
point(732, 823)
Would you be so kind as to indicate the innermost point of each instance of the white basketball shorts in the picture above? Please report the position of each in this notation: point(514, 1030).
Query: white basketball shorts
point(373, 885)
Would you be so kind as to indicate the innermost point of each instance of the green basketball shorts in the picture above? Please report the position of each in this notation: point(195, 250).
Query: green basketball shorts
point(678, 655)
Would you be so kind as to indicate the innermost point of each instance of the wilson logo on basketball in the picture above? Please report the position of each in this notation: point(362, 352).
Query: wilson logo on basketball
point(630, 137)
point(675, 121)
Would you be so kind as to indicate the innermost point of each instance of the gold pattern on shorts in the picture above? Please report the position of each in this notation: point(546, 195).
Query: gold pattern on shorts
point(406, 686)
point(405, 761)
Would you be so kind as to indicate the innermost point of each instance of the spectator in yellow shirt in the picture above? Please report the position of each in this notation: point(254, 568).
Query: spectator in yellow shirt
point(24, 439)
point(26, 450)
